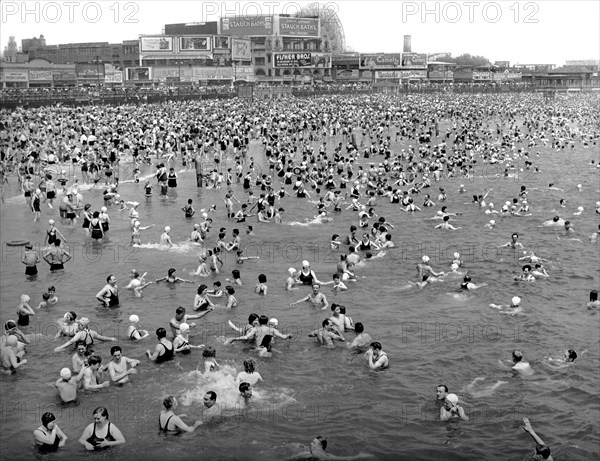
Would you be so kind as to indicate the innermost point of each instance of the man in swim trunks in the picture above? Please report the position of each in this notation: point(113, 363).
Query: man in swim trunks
point(317, 298)
point(30, 259)
point(57, 256)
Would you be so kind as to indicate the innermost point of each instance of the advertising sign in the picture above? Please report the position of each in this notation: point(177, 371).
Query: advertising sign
point(379, 61)
point(62, 75)
point(301, 60)
point(502, 64)
point(244, 73)
point(252, 25)
point(160, 43)
point(84, 70)
point(386, 74)
point(194, 43)
point(240, 49)
point(414, 74)
point(347, 74)
point(221, 42)
point(506, 75)
point(114, 77)
point(138, 73)
point(299, 27)
point(213, 73)
point(479, 75)
point(40, 75)
point(441, 74)
point(414, 60)
point(14, 76)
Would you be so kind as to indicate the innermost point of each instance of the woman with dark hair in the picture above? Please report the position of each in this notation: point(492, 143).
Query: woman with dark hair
point(49, 437)
point(101, 433)
point(201, 301)
point(169, 422)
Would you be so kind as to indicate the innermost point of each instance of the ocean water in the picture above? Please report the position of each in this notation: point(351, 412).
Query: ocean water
point(433, 336)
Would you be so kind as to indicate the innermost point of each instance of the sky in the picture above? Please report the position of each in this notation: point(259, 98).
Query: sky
point(522, 32)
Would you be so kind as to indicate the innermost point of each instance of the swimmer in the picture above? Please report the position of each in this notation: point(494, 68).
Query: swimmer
point(137, 283)
point(67, 385)
point(165, 238)
point(566, 360)
point(316, 451)
point(49, 437)
point(31, 260)
point(181, 343)
point(362, 339)
point(9, 361)
point(579, 211)
point(118, 366)
point(240, 259)
point(541, 449)
point(377, 359)
point(170, 278)
point(210, 361)
point(491, 224)
point(526, 275)
point(249, 375)
point(169, 422)
point(327, 334)
point(338, 285)
point(316, 298)
point(452, 410)
point(132, 330)
point(446, 225)
point(261, 285)
point(514, 243)
point(512, 309)
point(109, 295)
point(522, 367)
point(292, 280)
point(594, 301)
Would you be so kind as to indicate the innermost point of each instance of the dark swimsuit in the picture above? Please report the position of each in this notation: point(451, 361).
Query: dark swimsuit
point(51, 237)
point(306, 279)
point(94, 440)
point(49, 447)
point(168, 355)
point(23, 319)
point(113, 299)
point(164, 429)
point(96, 230)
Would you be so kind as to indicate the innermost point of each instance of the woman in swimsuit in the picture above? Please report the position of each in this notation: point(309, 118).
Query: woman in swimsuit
point(96, 227)
point(101, 433)
point(164, 350)
point(49, 437)
point(201, 301)
point(169, 422)
point(109, 295)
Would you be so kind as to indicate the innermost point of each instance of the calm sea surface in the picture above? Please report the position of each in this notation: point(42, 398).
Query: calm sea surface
point(432, 336)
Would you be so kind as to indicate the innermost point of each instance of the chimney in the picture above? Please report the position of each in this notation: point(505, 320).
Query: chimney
point(407, 44)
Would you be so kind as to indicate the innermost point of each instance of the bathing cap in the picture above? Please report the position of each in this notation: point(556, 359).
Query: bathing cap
point(305, 263)
point(167, 229)
point(274, 322)
point(452, 398)
point(51, 221)
point(184, 327)
point(425, 258)
point(103, 209)
point(25, 298)
point(456, 254)
point(65, 373)
point(516, 301)
point(134, 318)
point(84, 321)
point(12, 340)
point(291, 270)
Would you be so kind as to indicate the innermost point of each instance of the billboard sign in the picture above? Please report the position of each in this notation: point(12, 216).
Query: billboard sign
point(212, 73)
point(414, 60)
point(479, 75)
point(502, 64)
point(379, 61)
point(347, 74)
point(240, 49)
point(62, 75)
point(252, 25)
point(221, 42)
point(386, 74)
point(322, 60)
point(414, 74)
point(194, 43)
point(89, 70)
point(14, 76)
point(40, 75)
point(506, 75)
point(114, 77)
point(138, 74)
point(299, 27)
point(441, 74)
point(159, 43)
